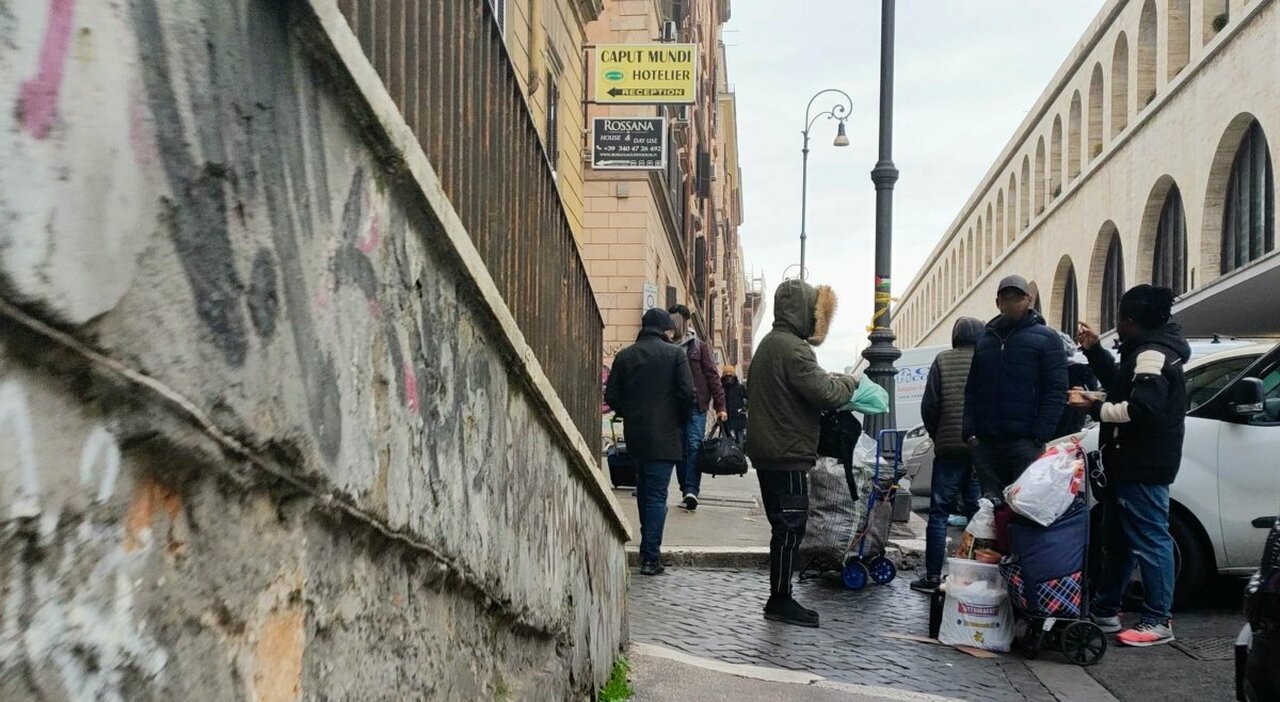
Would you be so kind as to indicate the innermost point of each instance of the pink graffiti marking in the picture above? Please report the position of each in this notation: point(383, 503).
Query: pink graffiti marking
point(38, 101)
point(370, 241)
point(410, 388)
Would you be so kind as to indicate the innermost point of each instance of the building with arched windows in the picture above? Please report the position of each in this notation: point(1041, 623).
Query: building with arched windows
point(1147, 159)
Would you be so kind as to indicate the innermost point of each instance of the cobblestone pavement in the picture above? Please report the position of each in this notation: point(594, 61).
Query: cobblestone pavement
point(717, 614)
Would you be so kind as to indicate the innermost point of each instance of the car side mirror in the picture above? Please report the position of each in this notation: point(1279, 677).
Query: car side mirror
point(1247, 398)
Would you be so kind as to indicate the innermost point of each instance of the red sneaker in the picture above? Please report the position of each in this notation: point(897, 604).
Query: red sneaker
point(1146, 635)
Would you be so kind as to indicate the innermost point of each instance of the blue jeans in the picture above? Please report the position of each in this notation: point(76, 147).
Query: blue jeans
point(694, 430)
point(954, 492)
point(1135, 527)
point(652, 480)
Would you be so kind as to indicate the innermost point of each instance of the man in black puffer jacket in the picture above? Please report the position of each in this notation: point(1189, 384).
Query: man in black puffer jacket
point(1141, 438)
point(1016, 391)
point(651, 388)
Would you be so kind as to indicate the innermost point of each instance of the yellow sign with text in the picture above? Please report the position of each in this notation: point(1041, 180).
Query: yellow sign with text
point(651, 74)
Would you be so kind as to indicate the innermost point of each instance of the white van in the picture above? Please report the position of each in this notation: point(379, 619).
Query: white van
point(913, 375)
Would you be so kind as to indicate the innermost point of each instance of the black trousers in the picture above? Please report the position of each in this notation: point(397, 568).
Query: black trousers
point(786, 502)
point(998, 462)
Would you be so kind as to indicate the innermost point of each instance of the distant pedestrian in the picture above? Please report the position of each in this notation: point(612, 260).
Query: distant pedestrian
point(790, 391)
point(1143, 420)
point(735, 402)
point(707, 391)
point(1016, 391)
point(942, 409)
point(651, 389)
point(1079, 375)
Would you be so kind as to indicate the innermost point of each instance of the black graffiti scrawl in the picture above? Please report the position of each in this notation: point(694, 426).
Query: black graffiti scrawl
point(249, 124)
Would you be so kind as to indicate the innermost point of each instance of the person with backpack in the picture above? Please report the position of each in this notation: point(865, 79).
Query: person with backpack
point(1143, 424)
point(707, 391)
point(942, 409)
point(791, 391)
point(735, 402)
point(651, 388)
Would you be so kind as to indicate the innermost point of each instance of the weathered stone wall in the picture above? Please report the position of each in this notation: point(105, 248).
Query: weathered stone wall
point(261, 438)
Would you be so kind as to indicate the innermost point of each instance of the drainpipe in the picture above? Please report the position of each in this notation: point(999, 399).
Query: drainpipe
point(537, 47)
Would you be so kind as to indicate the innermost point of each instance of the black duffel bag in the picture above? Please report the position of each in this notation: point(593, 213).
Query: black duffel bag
point(721, 455)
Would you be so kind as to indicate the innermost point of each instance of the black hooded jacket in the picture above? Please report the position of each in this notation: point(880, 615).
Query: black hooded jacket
point(651, 388)
point(1144, 416)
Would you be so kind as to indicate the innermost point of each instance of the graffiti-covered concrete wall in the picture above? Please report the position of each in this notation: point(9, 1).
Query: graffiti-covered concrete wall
point(262, 440)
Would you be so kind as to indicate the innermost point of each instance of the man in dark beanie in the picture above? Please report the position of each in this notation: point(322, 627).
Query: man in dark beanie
point(651, 388)
point(1141, 439)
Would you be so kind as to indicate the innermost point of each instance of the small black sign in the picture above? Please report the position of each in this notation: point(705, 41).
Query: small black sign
point(629, 143)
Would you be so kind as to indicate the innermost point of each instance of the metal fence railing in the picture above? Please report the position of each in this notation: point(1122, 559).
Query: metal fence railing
point(445, 65)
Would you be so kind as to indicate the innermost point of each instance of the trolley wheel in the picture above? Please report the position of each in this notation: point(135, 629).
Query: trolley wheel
point(855, 575)
point(1031, 638)
point(1083, 643)
point(883, 571)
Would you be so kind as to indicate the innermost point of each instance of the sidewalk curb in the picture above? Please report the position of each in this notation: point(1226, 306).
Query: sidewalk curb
point(905, 551)
point(777, 675)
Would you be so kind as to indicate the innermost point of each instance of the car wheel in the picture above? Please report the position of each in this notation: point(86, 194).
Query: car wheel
point(1191, 559)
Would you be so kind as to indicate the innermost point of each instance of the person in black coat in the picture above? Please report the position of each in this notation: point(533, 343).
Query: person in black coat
point(1143, 420)
point(735, 403)
point(651, 388)
point(1016, 390)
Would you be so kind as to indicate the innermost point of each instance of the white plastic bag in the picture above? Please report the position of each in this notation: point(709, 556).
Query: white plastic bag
point(977, 615)
point(864, 453)
point(1047, 488)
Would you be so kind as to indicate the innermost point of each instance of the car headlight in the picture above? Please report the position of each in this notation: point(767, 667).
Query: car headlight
point(921, 449)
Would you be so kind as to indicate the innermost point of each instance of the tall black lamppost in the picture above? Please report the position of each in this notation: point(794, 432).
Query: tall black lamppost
point(881, 353)
point(840, 112)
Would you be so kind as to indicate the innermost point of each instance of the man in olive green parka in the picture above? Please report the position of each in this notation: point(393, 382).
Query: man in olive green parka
point(789, 391)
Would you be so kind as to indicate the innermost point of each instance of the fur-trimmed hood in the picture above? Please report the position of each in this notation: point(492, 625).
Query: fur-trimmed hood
point(804, 310)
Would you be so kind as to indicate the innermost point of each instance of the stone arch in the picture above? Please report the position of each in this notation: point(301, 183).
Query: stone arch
point(1164, 187)
point(1024, 205)
point(1011, 222)
point(1178, 23)
point(1148, 41)
point(1055, 159)
point(1039, 176)
point(1073, 137)
point(966, 261)
point(1120, 85)
point(999, 239)
point(1107, 260)
point(1214, 17)
point(1065, 300)
point(1097, 91)
point(1211, 227)
point(988, 241)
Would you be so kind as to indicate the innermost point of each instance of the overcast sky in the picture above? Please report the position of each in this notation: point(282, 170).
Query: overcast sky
point(967, 73)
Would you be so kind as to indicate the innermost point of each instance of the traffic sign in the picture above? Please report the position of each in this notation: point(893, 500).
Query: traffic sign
point(646, 73)
point(629, 143)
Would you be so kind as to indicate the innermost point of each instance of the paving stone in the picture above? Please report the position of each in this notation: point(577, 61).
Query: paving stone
point(717, 614)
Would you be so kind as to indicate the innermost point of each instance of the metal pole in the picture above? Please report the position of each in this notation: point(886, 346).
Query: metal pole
point(804, 199)
point(881, 353)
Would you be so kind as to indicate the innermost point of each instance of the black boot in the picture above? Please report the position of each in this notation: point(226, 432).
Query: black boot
point(652, 568)
point(782, 608)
